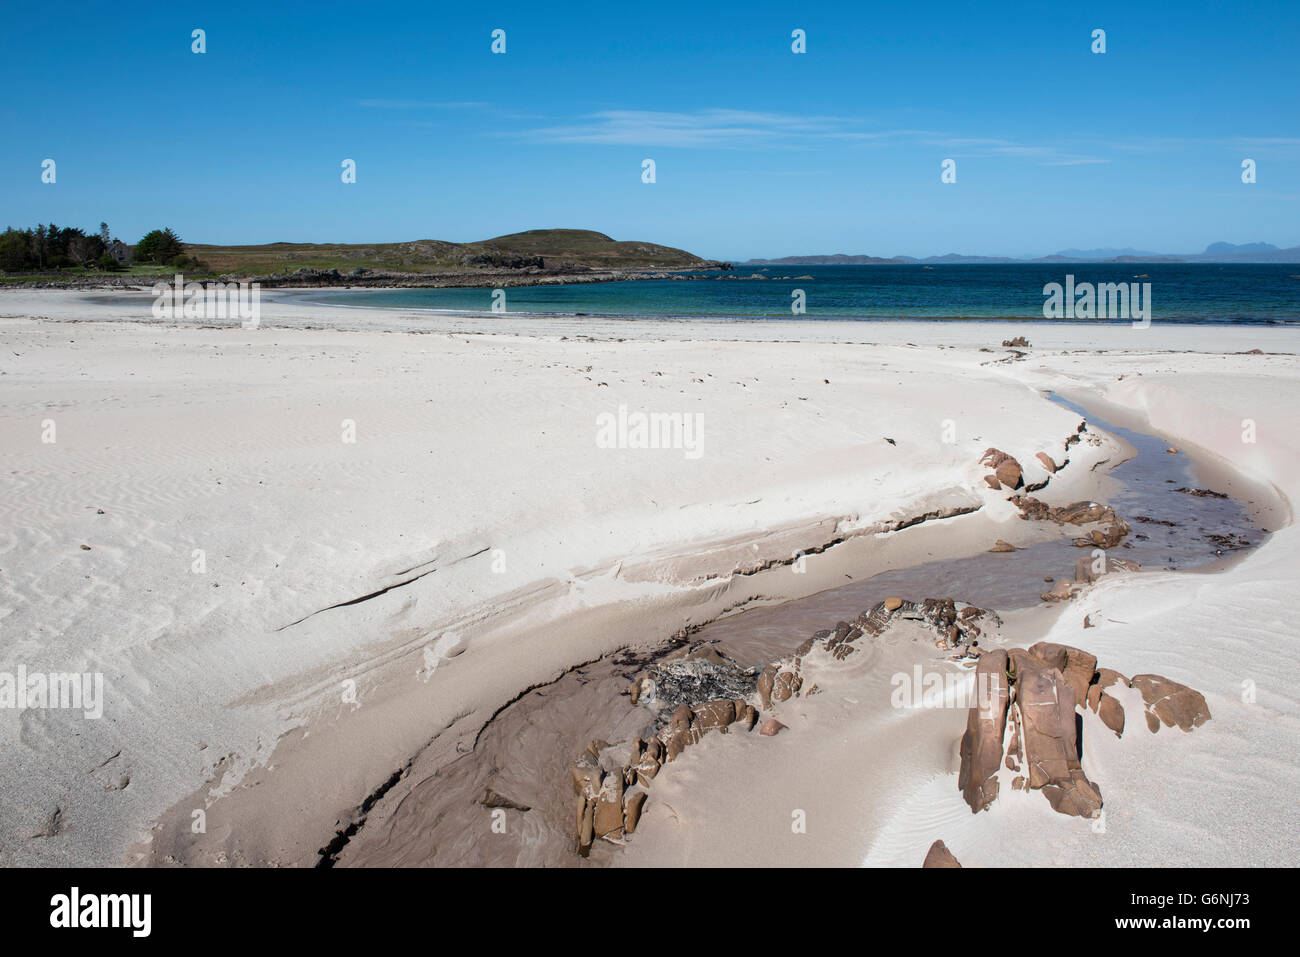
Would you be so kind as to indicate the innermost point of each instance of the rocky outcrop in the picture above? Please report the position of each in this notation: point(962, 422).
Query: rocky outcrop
point(697, 690)
point(1047, 684)
point(1113, 530)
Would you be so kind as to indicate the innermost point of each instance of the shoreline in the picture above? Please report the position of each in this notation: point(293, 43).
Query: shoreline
point(400, 654)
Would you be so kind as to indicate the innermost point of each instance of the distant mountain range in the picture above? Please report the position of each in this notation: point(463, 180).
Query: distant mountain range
point(1214, 253)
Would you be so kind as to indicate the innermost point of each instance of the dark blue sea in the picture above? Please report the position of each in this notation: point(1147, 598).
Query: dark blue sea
point(1179, 293)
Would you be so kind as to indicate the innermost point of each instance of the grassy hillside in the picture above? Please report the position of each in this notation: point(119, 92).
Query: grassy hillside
point(553, 246)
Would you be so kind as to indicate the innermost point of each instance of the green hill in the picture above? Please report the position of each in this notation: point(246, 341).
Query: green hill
point(538, 248)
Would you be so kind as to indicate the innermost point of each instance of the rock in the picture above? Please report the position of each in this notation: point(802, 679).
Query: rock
point(586, 825)
point(1008, 473)
point(608, 820)
point(1082, 513)
point(939, 856)
point(992, 482)
point(647, 767)
point(893, 604)
point(1018, 783)
point(1171, 703)
point(1019, 342)
point(1075, 665)
point(1061, 591)
point(712, 715)
point(586, 775)
point(1111, 713)
point(677, 735)
point(1047, 462)
point(765, 682)
point(1046, 704)
point(1006, 468)
point(981, 745)
point(493, 799)
point(615, 757)
point(746, 715)
point(1109, 676)
point(786, 685)
point(771, 727)
point(1001, 546)
point(632, 811)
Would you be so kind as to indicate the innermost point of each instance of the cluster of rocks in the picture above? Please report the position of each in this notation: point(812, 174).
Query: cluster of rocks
point(1111, 532)
point(693, 691)
point(1019, 342)
point(1007, 472)
point(698, 689)
point(1025, 720)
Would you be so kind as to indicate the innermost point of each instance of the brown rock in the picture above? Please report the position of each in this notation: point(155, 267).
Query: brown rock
point(1001, 546)
point(746, 715)
point(493, 799)
point(939, 856)
point(1111, 713)
point(981, 745)
point(992, 482)
point(771, 727)
point(632, 811)
point(786, 685)
point(1061, 591)
point(765, 682)
point(1048, 464)
point(586, 825)
point(1046, 703)
point(586, 775)
point(1173, 704)
point(647, 767)
point(712, 715)
point(1008, 473)
point(677, 735)
point(608, 820)
point(1109, 676)
point(893, 604)
point(1077, 666)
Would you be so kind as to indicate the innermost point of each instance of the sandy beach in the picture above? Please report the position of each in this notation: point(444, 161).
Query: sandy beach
point(317, 562)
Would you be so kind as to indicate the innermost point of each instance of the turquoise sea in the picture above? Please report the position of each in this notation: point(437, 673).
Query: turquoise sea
point(1179, 293)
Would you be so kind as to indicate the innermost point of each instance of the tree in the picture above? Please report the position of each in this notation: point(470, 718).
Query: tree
point(105, 236)
point(15, 249)
point(159, 246)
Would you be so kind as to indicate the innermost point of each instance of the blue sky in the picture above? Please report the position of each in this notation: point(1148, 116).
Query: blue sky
point(758, 151)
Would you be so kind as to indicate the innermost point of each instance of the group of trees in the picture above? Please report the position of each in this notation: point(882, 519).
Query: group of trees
point(55, 247)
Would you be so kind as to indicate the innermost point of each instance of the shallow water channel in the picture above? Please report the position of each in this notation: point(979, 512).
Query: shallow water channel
point(524, 752)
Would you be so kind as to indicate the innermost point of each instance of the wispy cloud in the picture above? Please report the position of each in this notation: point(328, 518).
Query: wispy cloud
point(749, 129)
point(710, 128)
point(1045, 155)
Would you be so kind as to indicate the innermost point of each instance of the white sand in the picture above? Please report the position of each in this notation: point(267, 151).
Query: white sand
point(476, 448)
